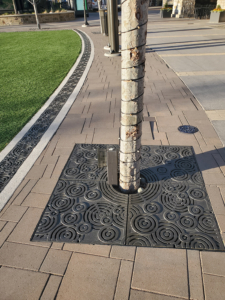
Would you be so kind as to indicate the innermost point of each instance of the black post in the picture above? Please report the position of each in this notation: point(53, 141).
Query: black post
point(112, 8)
point(85, 16)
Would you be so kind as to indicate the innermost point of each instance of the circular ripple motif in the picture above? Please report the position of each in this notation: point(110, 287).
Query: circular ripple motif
point(61, 203)
point(110, 194)
point(80, 160)
point(184, 238)
point(145, 148)
point(119, 216)
point(197, 178)
point(167, 234)
point(179, 175)
point(174, 203)
point(171, 216)
point(145, 155)
point(69, 218)
point(62, 233)
point(47, 223)
point(186, 152)
point(156, 159)
point(197, 193)
point(202, 242)
point(71, 172)
point(79, 207)
point(149, 176)
point(139, 241)
point(145, 224)
point(207, 223)
point(91, 176)
point(175, 186)
point(90, 155)
point(92, 195)
point(186, 164)
point(161, 150)
point(174, 149)
point(106, 220)
point(76, 190)
point(83, 228)
point(97, 211)
point(61, 185)
point(188, 222)
point(171, 156)
point(87, 147)
point(108, 234)
point(151, 191)
point(195, 210)
point(134, 211)
point(86, 168)
point(152, 208)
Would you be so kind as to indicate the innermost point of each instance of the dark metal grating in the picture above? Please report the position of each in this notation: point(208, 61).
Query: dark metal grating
point(173, 210)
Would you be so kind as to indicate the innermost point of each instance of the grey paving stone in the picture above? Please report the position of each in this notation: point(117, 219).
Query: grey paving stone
point(16, 284)
point(148, 275)
point(219, 126)
point(22, 256)
point(96, 278)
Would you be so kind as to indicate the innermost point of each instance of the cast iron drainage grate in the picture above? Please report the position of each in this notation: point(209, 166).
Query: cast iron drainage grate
point(173, 211)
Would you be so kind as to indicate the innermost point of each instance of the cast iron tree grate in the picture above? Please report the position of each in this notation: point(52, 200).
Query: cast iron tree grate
point(172, 211)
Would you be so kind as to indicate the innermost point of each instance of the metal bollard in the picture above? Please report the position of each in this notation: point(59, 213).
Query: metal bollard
point(112, 6)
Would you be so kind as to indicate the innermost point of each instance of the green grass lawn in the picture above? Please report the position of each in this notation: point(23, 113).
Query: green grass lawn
point(32, 65)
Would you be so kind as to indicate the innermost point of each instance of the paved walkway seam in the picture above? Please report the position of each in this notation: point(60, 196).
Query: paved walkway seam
point(10, 183)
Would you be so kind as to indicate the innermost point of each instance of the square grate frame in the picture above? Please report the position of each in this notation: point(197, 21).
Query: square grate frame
point(172, 211)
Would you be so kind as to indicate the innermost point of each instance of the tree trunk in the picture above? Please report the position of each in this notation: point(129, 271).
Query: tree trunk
point(36, 14)
point(133, 31)
point(15, 7)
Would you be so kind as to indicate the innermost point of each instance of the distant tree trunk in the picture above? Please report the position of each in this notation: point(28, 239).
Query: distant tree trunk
point(33, 2)
point(36, 14)
point(15, 7)
point(134, 31)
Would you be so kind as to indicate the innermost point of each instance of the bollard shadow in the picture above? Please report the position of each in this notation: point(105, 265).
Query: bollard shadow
point(163, 160)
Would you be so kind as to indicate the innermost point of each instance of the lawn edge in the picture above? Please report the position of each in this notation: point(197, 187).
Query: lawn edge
point(29, 162)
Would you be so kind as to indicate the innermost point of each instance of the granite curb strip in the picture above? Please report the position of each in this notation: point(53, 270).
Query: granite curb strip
point(19, 156)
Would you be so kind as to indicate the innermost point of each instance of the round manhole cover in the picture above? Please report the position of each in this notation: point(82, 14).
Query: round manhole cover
point(188, 129)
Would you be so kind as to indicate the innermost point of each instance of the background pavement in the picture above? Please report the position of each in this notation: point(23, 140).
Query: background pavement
point(195, 50)
point(31, 270)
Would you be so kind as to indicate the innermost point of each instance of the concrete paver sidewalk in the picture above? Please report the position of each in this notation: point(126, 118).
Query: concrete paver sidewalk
point(32, 270)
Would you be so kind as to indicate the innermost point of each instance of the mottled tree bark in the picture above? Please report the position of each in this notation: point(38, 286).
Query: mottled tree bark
point(133, 36)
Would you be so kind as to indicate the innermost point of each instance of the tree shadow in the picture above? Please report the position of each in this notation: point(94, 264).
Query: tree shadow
point(184, 47)
point(191, 29)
